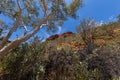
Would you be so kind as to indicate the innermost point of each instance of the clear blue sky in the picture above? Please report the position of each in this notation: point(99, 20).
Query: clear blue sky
point(102, 11)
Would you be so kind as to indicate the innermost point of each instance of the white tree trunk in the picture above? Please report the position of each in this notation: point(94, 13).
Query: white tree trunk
point(5, 39)
point(4, 50)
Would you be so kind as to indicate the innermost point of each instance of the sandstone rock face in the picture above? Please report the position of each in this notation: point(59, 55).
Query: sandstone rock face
point(66, 34)
point(99, 42)
point(56, 36)
point(116, 32)
point(52, 37)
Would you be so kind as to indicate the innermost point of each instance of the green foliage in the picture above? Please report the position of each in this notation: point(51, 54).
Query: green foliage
point(33, 62)
point(38, 60)
point(25, 62)
point(33, 12)
point(72, 8)
point(33, 15)
point(62, 65)
point(107, 61)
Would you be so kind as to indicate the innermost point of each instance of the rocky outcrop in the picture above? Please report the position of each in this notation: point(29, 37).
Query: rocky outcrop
point(53, 37)
point(56, 36)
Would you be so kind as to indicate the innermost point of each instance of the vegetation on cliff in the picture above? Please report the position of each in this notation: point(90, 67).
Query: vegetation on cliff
point(94, 56)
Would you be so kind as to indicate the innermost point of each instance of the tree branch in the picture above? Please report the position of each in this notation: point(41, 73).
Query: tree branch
point(19, 6)
point(5, 39)
point(6, 49)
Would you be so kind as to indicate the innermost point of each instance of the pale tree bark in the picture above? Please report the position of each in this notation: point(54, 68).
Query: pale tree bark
point(7, 48)
point(5, 39)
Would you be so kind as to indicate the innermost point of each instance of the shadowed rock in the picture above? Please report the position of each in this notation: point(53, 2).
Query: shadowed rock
point(56, 36)
point(53, 37)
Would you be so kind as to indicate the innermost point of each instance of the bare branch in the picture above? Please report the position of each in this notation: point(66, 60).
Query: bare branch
point(19, 6)
point(44, 7)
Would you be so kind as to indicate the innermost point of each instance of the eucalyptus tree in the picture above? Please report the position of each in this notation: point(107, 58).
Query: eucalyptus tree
point(32, 13)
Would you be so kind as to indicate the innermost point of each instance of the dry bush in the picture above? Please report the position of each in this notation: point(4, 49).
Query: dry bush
point(87, 30)
point(107, 61)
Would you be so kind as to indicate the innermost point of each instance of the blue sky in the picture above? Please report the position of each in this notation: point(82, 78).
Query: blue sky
point(100, 10)
point(103, 11)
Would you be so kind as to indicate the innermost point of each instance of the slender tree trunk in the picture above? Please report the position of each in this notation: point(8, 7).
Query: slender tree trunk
point(6, 49)
point(5, 39)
